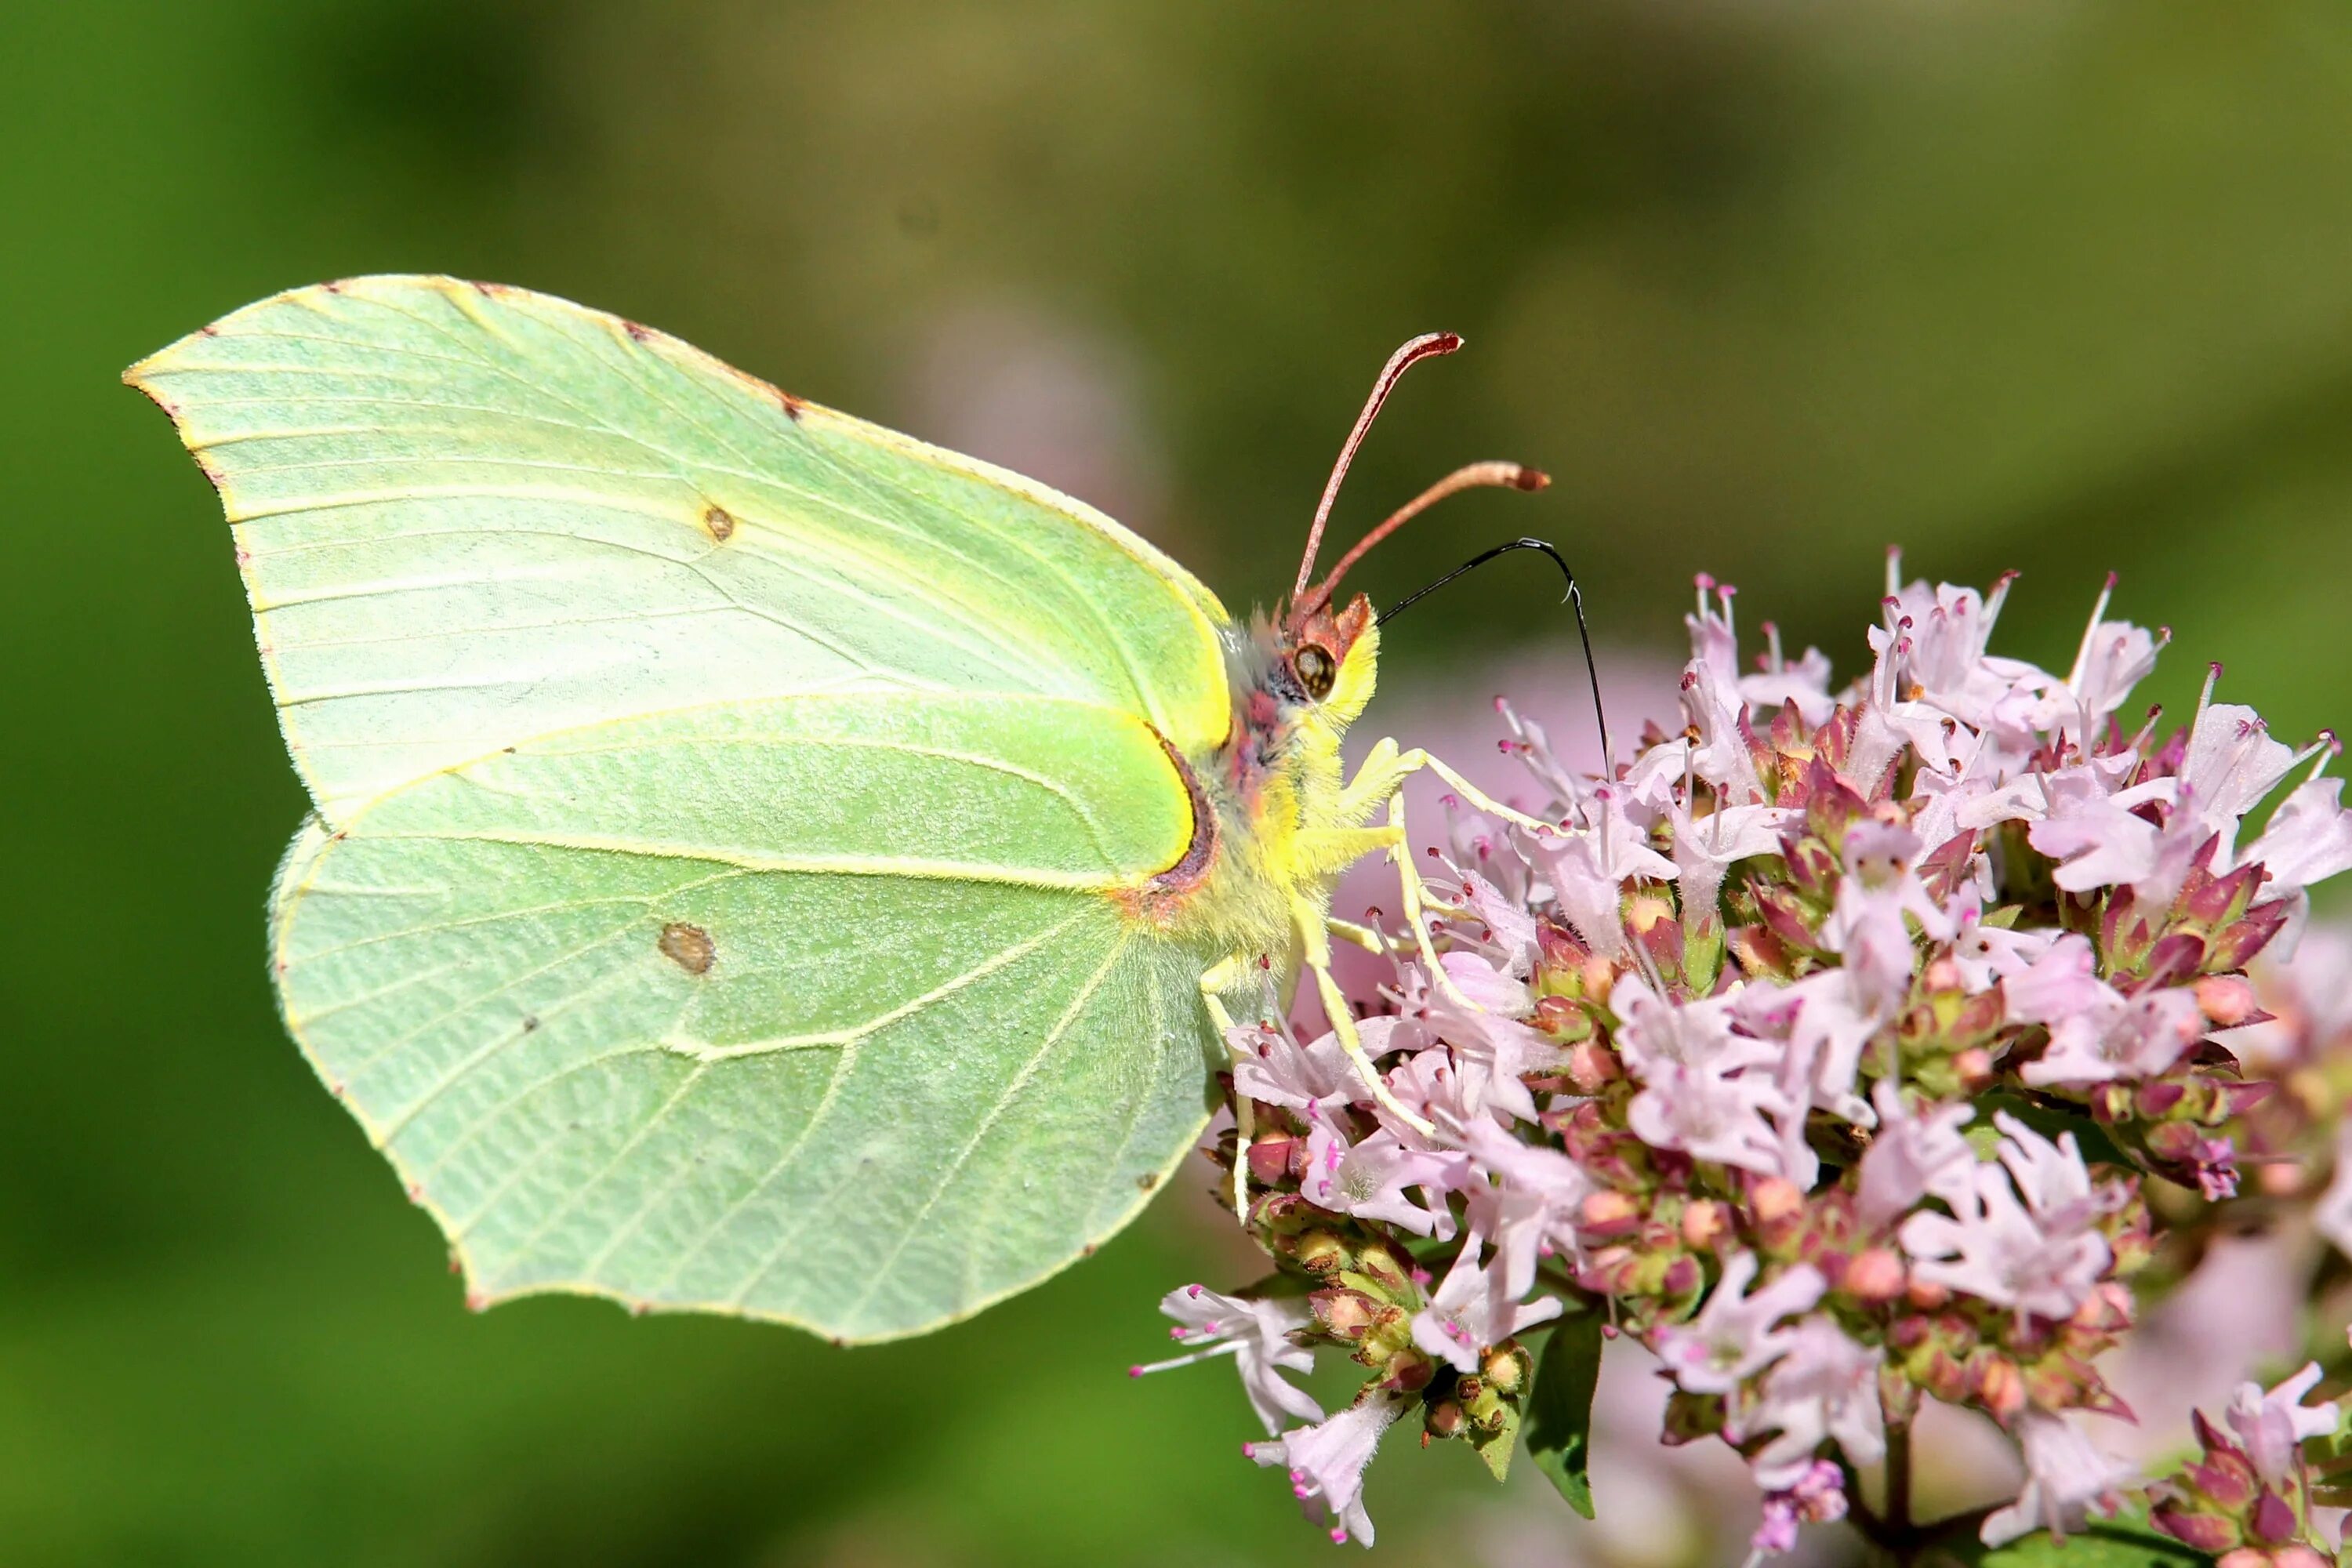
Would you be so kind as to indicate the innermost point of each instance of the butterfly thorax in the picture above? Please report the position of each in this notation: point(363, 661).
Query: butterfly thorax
point(1272, 792)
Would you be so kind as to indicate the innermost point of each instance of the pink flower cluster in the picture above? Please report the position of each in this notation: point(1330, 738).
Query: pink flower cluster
point(1827, 1046)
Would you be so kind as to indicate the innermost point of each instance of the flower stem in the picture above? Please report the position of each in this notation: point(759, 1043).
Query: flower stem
point(1897, 1511)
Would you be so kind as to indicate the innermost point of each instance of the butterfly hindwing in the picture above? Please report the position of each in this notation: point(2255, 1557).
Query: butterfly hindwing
point(681, 1011)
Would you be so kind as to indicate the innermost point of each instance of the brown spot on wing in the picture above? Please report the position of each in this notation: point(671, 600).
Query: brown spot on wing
point(687, 946)
point(638, 332)
point(719, 522)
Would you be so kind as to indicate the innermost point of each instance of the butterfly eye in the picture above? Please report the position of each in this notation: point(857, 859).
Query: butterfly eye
point(1315, 670)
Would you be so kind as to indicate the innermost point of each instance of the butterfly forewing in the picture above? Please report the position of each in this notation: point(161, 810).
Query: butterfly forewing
point(468, 515)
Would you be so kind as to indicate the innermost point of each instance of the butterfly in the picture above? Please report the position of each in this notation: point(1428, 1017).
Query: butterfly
point(760, 863)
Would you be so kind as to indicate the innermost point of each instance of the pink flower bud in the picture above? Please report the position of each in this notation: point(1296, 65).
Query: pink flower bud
point(1590, 1067)
point(1775, 1199)
point(1607, 1213)
point(1875, 1277)
point(2001, 1387)
point(2203, 1531)
point(2227, 999)
point(2273, 1519)
point(1702, 1222)
point(1925, 1296)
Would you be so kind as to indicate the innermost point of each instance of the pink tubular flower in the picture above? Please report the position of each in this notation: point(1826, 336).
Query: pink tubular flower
point(1878, 901)
point(2060, 982)
point(1987, 955)
point(2066, 1475)
point(2118, 1037)
point(1270, 1066)
point(1778, 683)
point(1530, 1208)
point(1817, 1495)
point(2271, 1426)
point(2309, 838)
point(1326, 1462)
point(2030, 1246)
point(1369, 1179)
point(1734, 1338)
point(1824, 1385)
point(1707, 847)
point(2094, 830)
point(1587, 869)
point(1256, 1333)
point(1472, 1310)
point(2332, 1216)
point(1711, 1116)
point(1912, 1157)
point(2231, 762)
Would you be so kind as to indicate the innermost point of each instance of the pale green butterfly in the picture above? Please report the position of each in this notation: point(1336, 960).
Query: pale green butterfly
point(761, 863)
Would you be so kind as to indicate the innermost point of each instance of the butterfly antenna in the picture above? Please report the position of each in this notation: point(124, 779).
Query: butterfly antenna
point(1575, 596)
point(1472, 476)
point(1419, 348)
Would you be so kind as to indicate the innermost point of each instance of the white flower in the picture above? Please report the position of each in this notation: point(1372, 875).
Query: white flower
point(2332, 1214)
point(1587, 869)
point(2309, 838)
point(1530, 1208)
point(2271, 1426)
point(1733, 1336)
point(1369, 1179)
point(1473, 1309)
point(1823, 1386)
point(1256, 1333)
point(1710, 1116)
point(1912, 1157)
point(1707, 847)
point(1327, 1461)
point(2030, 1246)
point(2065, 1474)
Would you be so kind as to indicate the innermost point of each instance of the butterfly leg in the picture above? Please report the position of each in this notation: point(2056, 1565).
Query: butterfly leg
point(1382, 777)
point(1363, 936)
point(1221, 976)
point(1314, 947)
point(1385, 767)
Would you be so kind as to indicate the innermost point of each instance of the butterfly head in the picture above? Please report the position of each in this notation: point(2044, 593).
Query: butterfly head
point(1324, 660)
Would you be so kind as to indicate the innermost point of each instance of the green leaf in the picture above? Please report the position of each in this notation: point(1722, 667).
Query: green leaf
point(1495, 1448)
point(2124, 1542)
point(1559, 1426)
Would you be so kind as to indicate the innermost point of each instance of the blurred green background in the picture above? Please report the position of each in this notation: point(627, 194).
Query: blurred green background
point(2058, 286)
